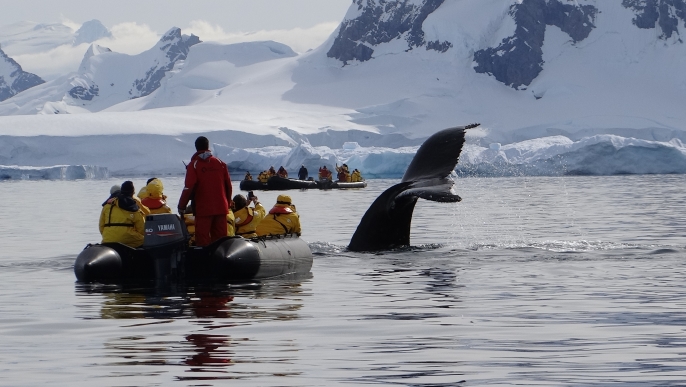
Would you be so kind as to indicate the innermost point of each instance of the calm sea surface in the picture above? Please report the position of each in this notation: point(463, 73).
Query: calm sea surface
point(576, 281)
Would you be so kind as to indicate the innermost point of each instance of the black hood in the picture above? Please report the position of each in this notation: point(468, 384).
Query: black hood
point(128, 203)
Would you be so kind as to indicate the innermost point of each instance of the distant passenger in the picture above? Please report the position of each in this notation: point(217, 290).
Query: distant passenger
point(356, 176)
point(247, 218)
point(282, 172)
point(302, 173)
point(343, 173)
point(263, 177)
point(248, 176)
point(282, 219)
point(154, 198)
point(121, 219)
point(271, 172)
point(324, 173)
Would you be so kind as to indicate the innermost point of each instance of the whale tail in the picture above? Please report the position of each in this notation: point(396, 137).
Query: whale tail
point(386, 224)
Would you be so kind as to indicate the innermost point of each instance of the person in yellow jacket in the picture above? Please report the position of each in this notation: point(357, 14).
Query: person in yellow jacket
point(230, 224)
point(263, 177)
point(282, 219)
point(343, 173)
point(189, 220)
point(247, 218)
point(153, 198)
point(356, 176)
point(121, 219)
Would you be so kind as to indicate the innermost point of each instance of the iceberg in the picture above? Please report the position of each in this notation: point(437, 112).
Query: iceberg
point(56, 172)
point(546, 156)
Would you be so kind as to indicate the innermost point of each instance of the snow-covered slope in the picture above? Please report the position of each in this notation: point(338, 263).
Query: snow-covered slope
point(526, 69)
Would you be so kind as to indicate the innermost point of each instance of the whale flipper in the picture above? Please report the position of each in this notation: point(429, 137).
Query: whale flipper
point(386, 224)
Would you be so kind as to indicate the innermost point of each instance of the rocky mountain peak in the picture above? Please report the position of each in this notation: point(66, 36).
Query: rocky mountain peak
point(381, 21)
point(91, 31)
point(662, 14)
point(13, 79)
point(518, 59)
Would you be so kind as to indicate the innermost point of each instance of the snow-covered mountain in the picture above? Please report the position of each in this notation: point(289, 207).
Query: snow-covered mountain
point(30, 37)
point(526, 69)
point(13, 79)
point(105, 78)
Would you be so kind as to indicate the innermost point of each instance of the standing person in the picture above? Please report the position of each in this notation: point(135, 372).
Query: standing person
point(302, 173)
point(209, 184)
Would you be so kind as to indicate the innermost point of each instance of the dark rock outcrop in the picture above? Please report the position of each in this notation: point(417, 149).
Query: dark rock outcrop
point(382, 21)
point(176, 47)
point(13, 79)
point(518, 59)
point(663, 14)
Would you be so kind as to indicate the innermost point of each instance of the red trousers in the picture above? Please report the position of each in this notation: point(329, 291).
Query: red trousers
point(209, 229)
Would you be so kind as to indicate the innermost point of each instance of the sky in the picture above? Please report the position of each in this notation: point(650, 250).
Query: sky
point(137, 24)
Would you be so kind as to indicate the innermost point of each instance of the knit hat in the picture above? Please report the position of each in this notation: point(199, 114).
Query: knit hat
point(283, 199)
point(127, 188)
point(115, 188)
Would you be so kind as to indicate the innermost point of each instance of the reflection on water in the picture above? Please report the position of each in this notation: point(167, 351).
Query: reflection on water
point(203, 354)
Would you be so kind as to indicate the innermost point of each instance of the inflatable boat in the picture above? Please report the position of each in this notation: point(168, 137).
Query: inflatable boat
point(329, 184)
point(166, 258)
point(277, 183)
point(252, 185)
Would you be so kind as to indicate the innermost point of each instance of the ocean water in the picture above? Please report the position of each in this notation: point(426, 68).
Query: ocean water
point(574, 281)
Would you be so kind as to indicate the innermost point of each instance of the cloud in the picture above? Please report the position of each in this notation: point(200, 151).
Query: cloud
point(130, 38)
point(133, 38)
point(127, 38)
point(299, 39)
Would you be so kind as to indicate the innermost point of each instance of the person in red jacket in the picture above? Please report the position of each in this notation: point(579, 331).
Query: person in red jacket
point(209, 185)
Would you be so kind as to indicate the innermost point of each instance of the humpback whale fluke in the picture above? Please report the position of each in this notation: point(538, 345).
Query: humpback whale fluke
point(386, 224)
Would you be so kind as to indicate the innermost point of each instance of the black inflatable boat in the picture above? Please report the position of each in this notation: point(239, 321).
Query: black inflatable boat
point(252, 185)
point(329, 184)
point(165, 257)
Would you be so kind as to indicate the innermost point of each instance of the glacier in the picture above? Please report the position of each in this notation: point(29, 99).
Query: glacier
point(548, 156)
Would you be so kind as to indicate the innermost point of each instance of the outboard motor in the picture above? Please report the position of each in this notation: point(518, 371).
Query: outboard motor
point(166, 239)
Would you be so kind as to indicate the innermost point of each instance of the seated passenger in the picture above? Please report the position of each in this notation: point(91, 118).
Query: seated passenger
point(248, 176)
point(282, 219)
point(247, 218)
point(121, 219)
point(343, 173)
point(282, 172)
point(230, 224)
point(115, 190)
point(356, 176)
point(271, 172)
point(189, 220)
point(263, 177)
point(152, 197)
point(324, 173)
